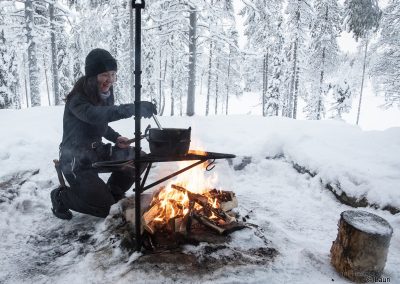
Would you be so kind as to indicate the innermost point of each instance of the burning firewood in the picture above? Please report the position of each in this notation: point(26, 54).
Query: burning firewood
point(177, 210)
point(202, 200)
point(227, 199)
point(208, 223)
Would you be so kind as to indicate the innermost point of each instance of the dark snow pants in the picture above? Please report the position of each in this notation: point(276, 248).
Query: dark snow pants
point(89, 194)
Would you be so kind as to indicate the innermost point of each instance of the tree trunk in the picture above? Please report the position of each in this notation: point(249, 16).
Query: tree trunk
point(192, 62)
point(360, 250)
point(172, 84)
point(162, 90)
point(321, 83)
point(25, 82)
point(266, 82)
point(293, 83)
point(32, 59)
point(209, 79)
point(47, 81)
point(216, 87)
point(228, 83)
point(362, 82)
point(54, 61)
point(201, 83)
point(264, 99)
point(296, 95)
point(180, 104)
point(159, 81)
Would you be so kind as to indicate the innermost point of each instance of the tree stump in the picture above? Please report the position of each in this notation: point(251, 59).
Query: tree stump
point(360, 250)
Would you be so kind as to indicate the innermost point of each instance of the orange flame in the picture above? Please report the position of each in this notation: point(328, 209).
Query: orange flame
point(174, 203)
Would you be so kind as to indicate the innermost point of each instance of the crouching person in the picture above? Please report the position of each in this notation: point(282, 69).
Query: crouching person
point(88, 110)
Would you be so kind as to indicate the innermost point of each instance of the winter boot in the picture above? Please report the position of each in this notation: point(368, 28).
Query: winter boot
point(59, 210)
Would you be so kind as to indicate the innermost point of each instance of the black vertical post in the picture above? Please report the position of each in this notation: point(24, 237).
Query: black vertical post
point(138, 19)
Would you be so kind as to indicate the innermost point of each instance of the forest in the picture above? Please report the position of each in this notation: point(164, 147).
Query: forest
point(190, 48)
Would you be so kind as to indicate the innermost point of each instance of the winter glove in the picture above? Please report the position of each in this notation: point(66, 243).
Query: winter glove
point(147, 109)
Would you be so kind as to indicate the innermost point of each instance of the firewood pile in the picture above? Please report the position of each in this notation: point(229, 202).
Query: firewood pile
point(174, 210)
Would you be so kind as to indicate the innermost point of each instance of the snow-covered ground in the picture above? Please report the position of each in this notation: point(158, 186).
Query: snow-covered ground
point(295, 212)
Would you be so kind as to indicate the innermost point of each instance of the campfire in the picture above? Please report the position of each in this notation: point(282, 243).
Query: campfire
point(191, 202)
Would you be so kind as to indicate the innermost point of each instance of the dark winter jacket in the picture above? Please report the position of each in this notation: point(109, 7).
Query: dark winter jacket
point(85, 123)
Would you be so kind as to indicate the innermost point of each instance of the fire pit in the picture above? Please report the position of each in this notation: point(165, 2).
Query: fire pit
point(178, 213)
point(179, 207)
point(186, 224)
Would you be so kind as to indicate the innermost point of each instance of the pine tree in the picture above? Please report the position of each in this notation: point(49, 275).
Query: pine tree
point(32, 54)
point(323, 54)
point(300, 15)
point(263, 19)
point(6, 63)
point(275, 89)
point(385, 67)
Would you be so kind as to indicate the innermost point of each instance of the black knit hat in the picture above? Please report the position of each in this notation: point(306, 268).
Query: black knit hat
point(99, 61)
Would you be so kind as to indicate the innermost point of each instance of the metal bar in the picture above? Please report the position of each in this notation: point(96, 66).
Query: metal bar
point(138, 86)
point(173, 175)
point(145, 175)
point(157, 122)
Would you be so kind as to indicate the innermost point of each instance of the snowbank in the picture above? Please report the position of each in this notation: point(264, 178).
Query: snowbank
point(296, 214)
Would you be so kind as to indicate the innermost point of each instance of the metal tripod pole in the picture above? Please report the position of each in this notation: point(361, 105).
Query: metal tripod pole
point(138, 6)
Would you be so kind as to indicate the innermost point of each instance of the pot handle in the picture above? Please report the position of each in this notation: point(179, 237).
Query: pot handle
point(146, 132)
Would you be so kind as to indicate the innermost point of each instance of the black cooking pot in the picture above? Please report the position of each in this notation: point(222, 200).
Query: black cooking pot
point(168, 141)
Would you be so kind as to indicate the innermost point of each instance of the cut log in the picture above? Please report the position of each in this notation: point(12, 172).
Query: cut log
point(360, 250)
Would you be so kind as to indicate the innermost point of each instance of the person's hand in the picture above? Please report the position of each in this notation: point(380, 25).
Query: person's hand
point(126, 110)
point(123, 142)
point(147, 109)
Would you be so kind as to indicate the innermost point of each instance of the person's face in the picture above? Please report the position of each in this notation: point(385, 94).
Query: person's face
point(106, 80)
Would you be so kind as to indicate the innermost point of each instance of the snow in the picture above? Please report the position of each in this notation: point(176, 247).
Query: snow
point(367, 222)
point(295, 212)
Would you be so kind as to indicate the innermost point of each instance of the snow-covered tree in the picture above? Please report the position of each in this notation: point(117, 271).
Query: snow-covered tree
point(219, 48)
point(8, 67)
point(262, 21)
point(7, 73)
point(32, 53)
point(274, 92)
point(300, 15)
point(386, 64)
point(361, 18)
point(323, 53)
